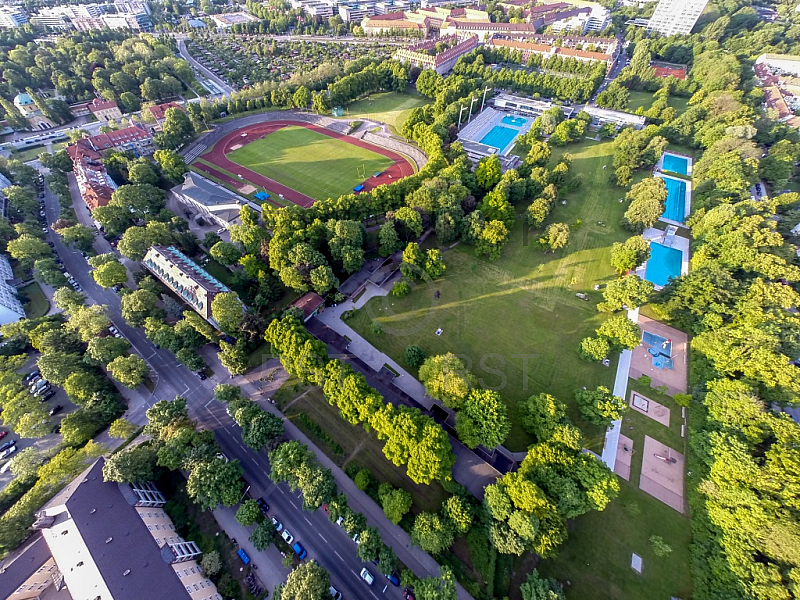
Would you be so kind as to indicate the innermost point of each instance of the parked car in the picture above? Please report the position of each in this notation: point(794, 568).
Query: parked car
point(340, 521)
point(8, 452)
point(201, 375)
point(393, 579)
point(408, 594)
point(278, 525)
point(40, 383)
point(29, 377)
point(56, 409)
point(367, 576)
point(287, 537)
point(262, 505)
point(299, 550)
point(355, 539)
point(42, 391)
point(3, 434)
point(49, 394)
point(335, 594)
point(8, 445)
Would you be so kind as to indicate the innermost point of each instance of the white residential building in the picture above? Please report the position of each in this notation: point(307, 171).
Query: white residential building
point(11, 17)
point(676, 17)
point(131, 7)
point(11, 309)
point(356, 13)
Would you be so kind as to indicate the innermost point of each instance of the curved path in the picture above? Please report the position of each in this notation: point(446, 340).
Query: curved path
point(218, 155)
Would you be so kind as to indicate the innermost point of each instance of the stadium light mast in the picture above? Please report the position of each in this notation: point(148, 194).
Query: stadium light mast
point(471, 102)
point(459, 115)
point(483, 102)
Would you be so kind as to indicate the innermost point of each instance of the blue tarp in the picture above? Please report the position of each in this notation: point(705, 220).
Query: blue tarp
point(243, 555)
point(358, 188)
point(261, 195)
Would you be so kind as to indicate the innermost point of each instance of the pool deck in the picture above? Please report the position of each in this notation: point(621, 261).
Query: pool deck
point(678, 242)
point(676, 379)
point(689, 163)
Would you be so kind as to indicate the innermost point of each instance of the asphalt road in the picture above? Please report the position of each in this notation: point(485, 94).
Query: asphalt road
point(324, 541)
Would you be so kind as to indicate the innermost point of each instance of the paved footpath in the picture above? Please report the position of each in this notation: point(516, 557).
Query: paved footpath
point(419, 561)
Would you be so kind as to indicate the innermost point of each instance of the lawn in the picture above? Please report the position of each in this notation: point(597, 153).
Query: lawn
point(645, 99)
point(597, 555)
point(39, 304)
point(309, 162)
point(347, 444)
point(495, 314)
point(388, 107)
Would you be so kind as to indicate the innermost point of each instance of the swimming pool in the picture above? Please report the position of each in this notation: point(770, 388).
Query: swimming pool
point(514, 121)
point(499, 137)
point(675, 209)
point(675, 163)
point(664, 263)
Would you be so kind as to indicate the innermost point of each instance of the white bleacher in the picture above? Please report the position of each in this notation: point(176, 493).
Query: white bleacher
point(479, 126)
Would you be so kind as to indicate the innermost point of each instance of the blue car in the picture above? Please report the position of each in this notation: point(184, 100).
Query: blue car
point(243, 555)
point(394, 579)
point(300, 551)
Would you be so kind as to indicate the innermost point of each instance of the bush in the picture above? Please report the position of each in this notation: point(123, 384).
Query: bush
point(645, 380)
point(414, 356)
point(400, 289)
point(682, 399)
point(227, 586)
point(211, 563)
point(660, 547)
point(363, 479)
point(594, 349)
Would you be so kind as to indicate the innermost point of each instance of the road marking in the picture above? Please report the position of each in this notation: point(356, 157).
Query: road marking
point(336, 553)
point(281, 491)
point(309, 522)
point(374, 596)
point(320, 535)
point(356, 574)
point(293, 504)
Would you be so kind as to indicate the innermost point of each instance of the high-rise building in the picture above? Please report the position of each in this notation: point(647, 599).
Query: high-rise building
point(676, 17)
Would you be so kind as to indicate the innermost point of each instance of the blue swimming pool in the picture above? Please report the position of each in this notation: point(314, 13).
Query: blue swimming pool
point(664, 263)
point(675, 209)
point(499, 137)
point(676, 164)
point(514, 121)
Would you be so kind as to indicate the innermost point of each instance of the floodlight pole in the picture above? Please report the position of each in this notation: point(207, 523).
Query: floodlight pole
point(483, 102)
point(472, 101)
point(459, 115)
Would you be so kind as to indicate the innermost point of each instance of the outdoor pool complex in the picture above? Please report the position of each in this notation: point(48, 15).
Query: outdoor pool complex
point(675, 209)
point(514, 121)
point(676, 164)
point(664, 263)
point(500, 137)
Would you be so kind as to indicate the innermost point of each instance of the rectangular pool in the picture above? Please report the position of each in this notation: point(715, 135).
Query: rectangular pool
point(514, 121)
point(499, 137)
point(675, 209)
point(664, 263)
point(676, 164)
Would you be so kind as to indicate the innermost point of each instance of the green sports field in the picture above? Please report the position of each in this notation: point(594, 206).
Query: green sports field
point(309, 162)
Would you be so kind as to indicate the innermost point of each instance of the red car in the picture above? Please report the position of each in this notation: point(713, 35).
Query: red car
point(3, 434)
point(408, 594)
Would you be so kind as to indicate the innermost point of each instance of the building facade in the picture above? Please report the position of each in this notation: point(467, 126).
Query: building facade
point(105, 110)
point(418, 55)
point(11, 309)
point(94, 182)
point(526, 49)
point(28, 109)
point(134, 138)
point(210, 200)
point(12, 17)
point(187, 279)
point(676, 17)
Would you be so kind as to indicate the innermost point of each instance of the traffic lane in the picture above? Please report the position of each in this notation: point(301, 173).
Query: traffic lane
point(334, 550)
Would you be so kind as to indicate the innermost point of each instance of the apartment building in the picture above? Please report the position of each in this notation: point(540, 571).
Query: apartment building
point(134, 138)
point(676, 17)
point(418, 55)
point(193, 284)
point(356, 13)
point(94, 183)
point(396, 22)
point(105, 110)
point(526, 49)
point(159, 113)
point(11, 309)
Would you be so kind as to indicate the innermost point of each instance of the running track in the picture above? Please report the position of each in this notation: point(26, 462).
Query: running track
point(217, 155)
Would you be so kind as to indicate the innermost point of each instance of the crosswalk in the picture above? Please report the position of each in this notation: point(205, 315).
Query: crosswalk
point(194, 153)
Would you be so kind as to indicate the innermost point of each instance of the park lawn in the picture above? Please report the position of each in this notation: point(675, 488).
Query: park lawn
point(493, 313)
point(39, 304)
point(597, 555)
point(311, 163)
point(645, 100)
point(387, 107)
point(347, 444)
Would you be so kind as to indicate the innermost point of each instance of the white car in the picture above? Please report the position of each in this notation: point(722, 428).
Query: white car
point(367, 576)
point(287, 537)
point(220, 230)
point(278, 525)
point(8, 452)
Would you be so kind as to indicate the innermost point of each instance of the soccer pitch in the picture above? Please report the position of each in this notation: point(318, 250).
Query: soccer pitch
point(311, 163)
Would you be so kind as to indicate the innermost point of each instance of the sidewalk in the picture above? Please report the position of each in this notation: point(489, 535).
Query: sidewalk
point(419, 561)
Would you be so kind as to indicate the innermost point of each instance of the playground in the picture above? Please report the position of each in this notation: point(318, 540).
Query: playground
point(302, 163)
point(661, 356)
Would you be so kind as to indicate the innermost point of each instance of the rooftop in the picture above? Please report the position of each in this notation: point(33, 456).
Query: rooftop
point(159, 111)
point(206, 192)
point(308, 303)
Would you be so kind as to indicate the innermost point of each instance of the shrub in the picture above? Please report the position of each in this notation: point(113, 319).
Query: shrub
point(363, 479)
point(414, 356)
point(594, 349)
point(682, 399)
point(400, 289)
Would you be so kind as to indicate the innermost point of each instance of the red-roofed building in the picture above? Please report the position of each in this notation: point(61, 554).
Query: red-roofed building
point(135, 138)
point(528, 48)
point(159, 113)
point(94, 182)
point(105, 110)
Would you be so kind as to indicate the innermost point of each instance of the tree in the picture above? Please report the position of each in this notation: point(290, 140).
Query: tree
point(131, 465)
point(81, 386)
point(26, 462)
point(541, 414)
point(263, 535)
point(28, 249)
point(488, 172)
point(660, 547)
point(555, 236)
point(482, 419)
point(594, 348)
point(308, 581)
point(414, 356)
point(388, 238)
point(79, 427)
point(136, 241)
point(130, 370)
point(492, 239)
point(261, 429)
point(211, 563)
point(410, 222)
point(102, 350)
point(177, 127)
point(630, 291)
point(412, 266)
point(89, 321)
point(225, 253)
point(138, 200)
point(215, 482)
point(446, 378)
point(541, 588)
point(600, 406)
point(396, 504)
point(630, 254)
point(248, 512)
point(122, 429)
point(138, 305)
point(227, 310)
point(647, 201)
point(171, 163)
point(56, 367)
point(323, 279)
point(110, 272)
point(431, 533)
point(301, 97)
point(437, 588)
point(459, 513)
point(234, 357)
point(142, 172)
point(78, 236)
point(621, 333)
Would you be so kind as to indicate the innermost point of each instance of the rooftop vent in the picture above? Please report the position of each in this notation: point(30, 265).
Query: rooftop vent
point(126, 572)
point(108, 541)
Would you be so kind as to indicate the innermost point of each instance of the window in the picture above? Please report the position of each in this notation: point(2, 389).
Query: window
point(178, 573)
point(196, 587)
point(193, 571)
point(188, 589)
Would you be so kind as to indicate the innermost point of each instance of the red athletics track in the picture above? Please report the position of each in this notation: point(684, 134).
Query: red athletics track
point(217, 155)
